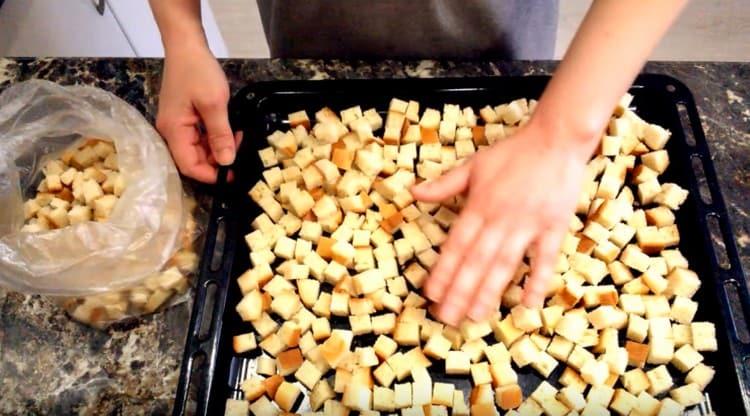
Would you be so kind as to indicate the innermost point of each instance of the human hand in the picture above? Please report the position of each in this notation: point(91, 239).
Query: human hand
point(521, 193)
point(193, 115)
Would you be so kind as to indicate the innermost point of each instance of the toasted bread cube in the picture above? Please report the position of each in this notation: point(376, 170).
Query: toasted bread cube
point(271, 207)
point(572, 398)
point(660, 350)
point(266, 365)
point(406, 333)
point(384, 374)
point(545, 364)
point(340, 303)
point(442, 394)
point(670, 407)
point(595, 372)
point(635, 381)
point(402, 395)
point(244, 343)
point(457, 362)
point(78, 214)
point(383, 324)
point(508, 396)
point(437, 346)
point(321, 393)
point(250, 308)
point(524, 352)
point(506, 332)
point(671, 195)
point(560, 348)
point(634, 258)
point(335, 272)
point(701, 375)
point(579, 356)
point(607, 316)
point(570, 378)
point(357, 397)
point(659, 380)
point(600, 395)
point(360, 324)
point(272, 344)
point(683, 310)
point(480, 373)
point(235, 407)
point(704, 336)
point(637, 353)
point(637, 328)
point(572, 326)
point(526, 319)
point(683, 282)
point(308, 374)
point(286, 304)
point(321, 329)
point(336, 347)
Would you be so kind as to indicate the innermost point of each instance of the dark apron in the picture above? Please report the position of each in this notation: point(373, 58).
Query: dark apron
point(377, 29)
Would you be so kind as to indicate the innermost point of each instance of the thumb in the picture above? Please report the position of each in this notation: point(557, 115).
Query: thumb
point(451, 183)
point(215, 118)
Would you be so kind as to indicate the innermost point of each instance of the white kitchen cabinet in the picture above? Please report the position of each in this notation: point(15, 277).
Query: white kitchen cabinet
point(75, 28)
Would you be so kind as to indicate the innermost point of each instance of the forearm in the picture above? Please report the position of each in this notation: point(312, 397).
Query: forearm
point(609, 49)
point(179, 23)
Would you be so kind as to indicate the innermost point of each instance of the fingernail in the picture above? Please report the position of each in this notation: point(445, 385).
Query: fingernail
point(225, 156)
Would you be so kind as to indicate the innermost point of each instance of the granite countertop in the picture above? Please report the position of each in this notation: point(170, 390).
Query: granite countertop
point(51, 365)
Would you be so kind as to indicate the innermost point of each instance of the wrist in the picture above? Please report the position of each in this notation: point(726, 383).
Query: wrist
point(185, 40)
point(577, 132)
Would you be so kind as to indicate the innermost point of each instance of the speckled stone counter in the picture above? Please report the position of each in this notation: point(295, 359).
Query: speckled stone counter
point(50, 365)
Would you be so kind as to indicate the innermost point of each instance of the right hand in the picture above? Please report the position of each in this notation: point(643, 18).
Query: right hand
point(194, 91)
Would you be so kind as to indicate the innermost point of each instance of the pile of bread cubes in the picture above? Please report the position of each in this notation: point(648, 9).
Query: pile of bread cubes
point(84, 184)
point(340, 236)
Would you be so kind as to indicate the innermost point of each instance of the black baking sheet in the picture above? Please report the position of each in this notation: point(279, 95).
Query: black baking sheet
point(210, 366)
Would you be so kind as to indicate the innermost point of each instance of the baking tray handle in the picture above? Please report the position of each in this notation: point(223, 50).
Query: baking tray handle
point(201, 346)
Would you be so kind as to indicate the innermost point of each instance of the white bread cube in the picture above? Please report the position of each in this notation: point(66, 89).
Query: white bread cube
point(595, 372)
point(683, 310)
point(579, 356)
point(264, 325)
point(686, 357)
point(545, 364)
point(322, 306)
point(480, 373)
point(526, 319)
point(524, 352)
point(497, 353)
point(669, 407)
point(503, 374)
point(637, 328)
point(623, 402)
point(273, 345)
point(701, 375)
point(442, 394)
point(458, 363)
point(402, 395)
point(560, 348)
point(421, 387)
point(406, 333)
point(339, 303)
point(286, 304)
point(263, 406)
point(682, 335)
point(633, 257)
point(671, 195)
point(571, 398)
point(570, 378)
point(607, 316)
point(660, 350)
point(659, 380)
point(244, 343)
point(250, 308)
point(360, 324)
point(384, 374)
point(683, 282)
point(704, 336)
point(572, 326)
point(308, 374)
point(235, 407)
point(437, 346)
point(655, 282)
point(383, 324)
point(656, 307)
point(635, 381)
point(601, 394)
point(266, 365)
point(357, 397)
point(321, 393)
point(383, 399)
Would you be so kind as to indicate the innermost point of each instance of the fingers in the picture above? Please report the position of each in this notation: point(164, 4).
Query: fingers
point(189, 155)
point(451, 183)
point(221, 140)
point(542, 267)
point(462, 233)
point(498, 275)
point(478, 255)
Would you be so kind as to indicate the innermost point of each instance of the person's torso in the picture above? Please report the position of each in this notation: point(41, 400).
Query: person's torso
point(473, 29)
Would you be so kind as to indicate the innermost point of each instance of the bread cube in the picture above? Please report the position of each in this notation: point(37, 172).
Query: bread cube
point(357, 397)
point(595, 372)
point(526, 319)
point(250, 308)
point(508, 396)
point(458, 363)
point(272, 344)
point(660, 350)
point(571, 398)
point(683, 282)
point(244, 342)
point(406, 333)
point(572, 326)
point(384, 374)
point(402, 395)
point(545, 364)
point(701, 375)
point(704, 336)
point(266, 365)
point(383, 324)
point(523, 352)
point(437, 346)
point(659, 380)
point(671, 195)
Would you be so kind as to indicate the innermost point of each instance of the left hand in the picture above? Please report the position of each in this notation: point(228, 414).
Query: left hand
point(521, 193)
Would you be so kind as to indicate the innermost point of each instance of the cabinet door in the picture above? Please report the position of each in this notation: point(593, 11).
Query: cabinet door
point(138, 24)
point(60, 28)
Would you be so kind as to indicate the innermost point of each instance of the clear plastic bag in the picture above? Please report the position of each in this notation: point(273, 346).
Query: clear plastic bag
point(38, 120)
